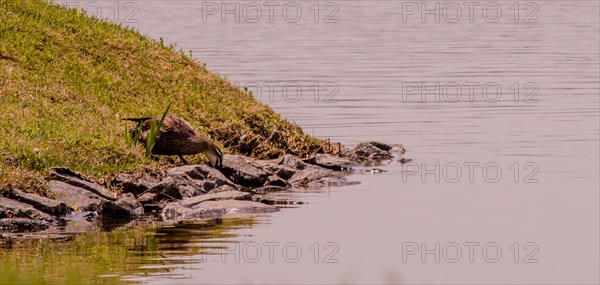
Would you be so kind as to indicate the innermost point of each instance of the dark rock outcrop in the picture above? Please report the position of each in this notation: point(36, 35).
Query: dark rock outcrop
point(331, 162)
point(111, 210)
point(366, 152)
point(187, 192)
point(189, 181)
point(128, 201)
point(136, 186)
point(67, 176)
point(43, 204)
point(10, 208)
point(244, 171)
point(77, 198)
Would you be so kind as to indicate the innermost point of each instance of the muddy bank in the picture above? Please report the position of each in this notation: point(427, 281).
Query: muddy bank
point(188, 192)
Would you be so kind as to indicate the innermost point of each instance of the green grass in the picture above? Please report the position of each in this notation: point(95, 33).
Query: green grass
point(153, 132)
point(67, 79)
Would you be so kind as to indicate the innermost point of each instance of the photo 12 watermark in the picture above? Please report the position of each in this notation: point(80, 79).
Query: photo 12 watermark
point(470, 172)
point(470, 12)
point(454, 92)
point(120, 12)
point(271, 252)
point(471, 252)
point(293, 91)
point(270, 11)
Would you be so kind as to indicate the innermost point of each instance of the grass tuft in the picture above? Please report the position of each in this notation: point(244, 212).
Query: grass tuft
point(153, 132)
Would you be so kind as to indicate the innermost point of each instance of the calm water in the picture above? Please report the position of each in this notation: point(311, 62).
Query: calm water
point(517, 197)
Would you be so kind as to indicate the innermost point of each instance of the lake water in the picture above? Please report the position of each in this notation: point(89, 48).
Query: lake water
point(504, 182)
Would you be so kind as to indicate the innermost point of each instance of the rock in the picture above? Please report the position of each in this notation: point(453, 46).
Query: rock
point(399, 149)
point(130, 184)
point(79, 199)
point(214, 209)
point(380, 145)
point(312, 173)
point(334, 148)
point(272, 166)
point(331, 161)
point(14, 225)
point(244, 171)
point(222, 188)
point(291, 162)
point(189, 181)
point(275, 180)
point(128, 201)
point(282, 171)
point(208, 177)
point(373, 170)
point(153, 208)
point(330, 182)
point(10, 208)
point(267, 189)
point(403, 160)
point(147, 198)
point(368, 151)
point(72, 178)
point(224, 195)
point(177, 187)
point(43, 204)
point(111, 210)
point(235, 206)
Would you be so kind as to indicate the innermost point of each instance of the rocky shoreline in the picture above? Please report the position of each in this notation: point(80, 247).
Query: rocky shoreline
point(189, 192)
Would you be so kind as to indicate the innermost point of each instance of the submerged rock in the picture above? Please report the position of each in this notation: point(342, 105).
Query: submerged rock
point(19, 225)
point(267, 189)
point(224, 195)
point(214, 209)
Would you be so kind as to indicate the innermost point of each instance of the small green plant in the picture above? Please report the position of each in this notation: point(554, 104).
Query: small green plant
point(153, 133)
point(132, 138)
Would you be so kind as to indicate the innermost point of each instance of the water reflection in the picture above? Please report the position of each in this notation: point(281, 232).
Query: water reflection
point(97, 257)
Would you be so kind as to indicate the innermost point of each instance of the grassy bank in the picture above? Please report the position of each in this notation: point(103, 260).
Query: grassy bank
point(67, 80)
